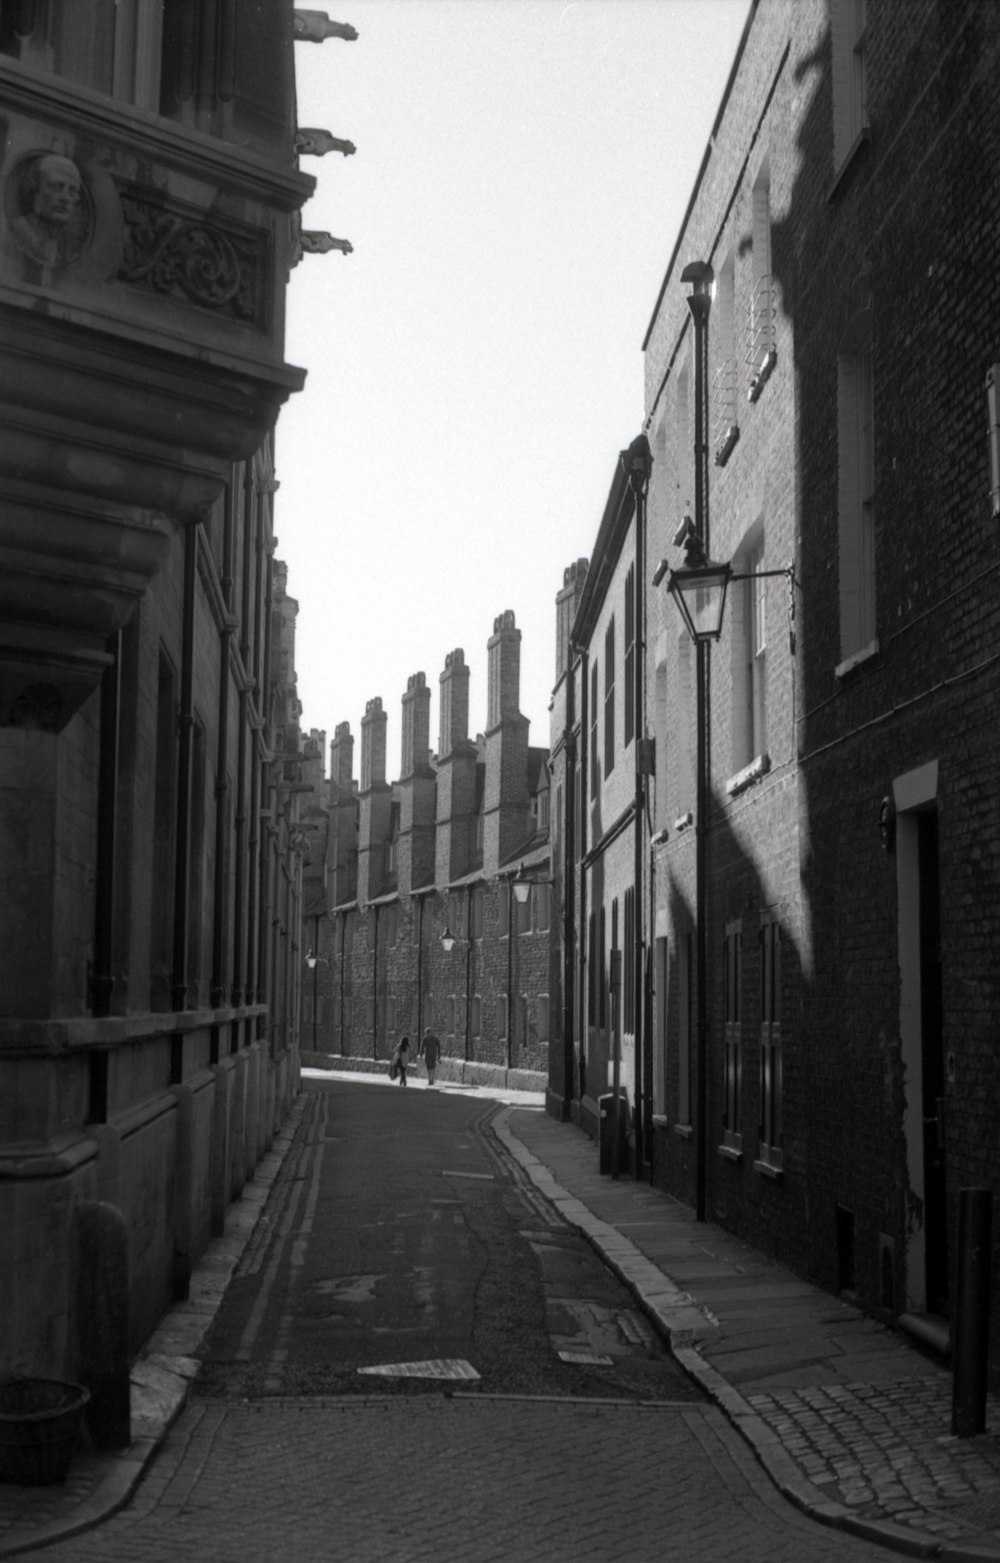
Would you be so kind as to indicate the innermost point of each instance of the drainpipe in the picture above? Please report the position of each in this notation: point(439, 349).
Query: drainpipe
point(185, 725)
point(221, 976)
point(510, 970)
point(343, 975)
point(420, 970)
point(640, 462)
point(375, 983)
point(569, 897)
point(583, 947)
point(468, 976)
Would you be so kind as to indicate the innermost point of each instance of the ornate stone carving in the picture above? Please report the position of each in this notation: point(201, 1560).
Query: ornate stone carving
point(315, 26)
point(317, 143)
point(314, 242)
point(40, 707)
point(191, 260)
point(49, 208)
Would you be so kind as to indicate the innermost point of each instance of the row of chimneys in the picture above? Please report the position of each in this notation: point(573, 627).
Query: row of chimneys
point(439, 803)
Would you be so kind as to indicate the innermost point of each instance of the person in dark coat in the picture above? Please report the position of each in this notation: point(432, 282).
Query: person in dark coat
point(430, 1052)
point(400, 1060)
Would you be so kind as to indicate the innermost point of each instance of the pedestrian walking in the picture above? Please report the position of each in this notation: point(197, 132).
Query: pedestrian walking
point(430, 1052)
point(399, 1061)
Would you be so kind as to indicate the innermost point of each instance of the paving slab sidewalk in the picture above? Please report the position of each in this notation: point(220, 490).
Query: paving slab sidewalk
point(851, 1421)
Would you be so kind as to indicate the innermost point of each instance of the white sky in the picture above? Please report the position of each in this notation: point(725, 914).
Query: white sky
point(475, 365)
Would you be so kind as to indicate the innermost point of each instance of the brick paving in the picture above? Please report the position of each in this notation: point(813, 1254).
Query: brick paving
point(848, 1419)
point(460, 1480)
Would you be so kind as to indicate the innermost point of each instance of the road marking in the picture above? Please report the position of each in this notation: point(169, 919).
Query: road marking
point(442, 1367)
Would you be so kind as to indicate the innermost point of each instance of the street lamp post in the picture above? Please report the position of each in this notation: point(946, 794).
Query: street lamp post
point(699, 589)
point(314, 962)
point(700, 276)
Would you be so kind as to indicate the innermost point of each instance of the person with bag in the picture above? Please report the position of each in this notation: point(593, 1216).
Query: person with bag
point(399, 1061)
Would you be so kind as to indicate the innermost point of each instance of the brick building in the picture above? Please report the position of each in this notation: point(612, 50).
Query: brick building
point(413, 887)
point(848, 204)
point(149, 723)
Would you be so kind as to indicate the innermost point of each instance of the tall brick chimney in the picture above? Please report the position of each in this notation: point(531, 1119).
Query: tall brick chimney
point(375, 804)
point(505, 795)
point(342, 838)
point(567, 603)
point(456, 776)
point(415, 850)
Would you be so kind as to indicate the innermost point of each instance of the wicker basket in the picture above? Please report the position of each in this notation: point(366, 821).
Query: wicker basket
point(39, 1429)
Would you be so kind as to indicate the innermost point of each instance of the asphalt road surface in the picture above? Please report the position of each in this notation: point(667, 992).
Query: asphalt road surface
point(417, 1359)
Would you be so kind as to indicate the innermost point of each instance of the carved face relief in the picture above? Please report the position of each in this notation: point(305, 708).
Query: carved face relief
point(52, 217)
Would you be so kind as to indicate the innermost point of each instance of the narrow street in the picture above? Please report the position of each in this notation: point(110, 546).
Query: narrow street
point(532, 1414)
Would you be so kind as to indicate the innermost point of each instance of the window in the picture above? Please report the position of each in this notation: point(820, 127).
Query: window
point(602, 972)
point(522, 912)
point(450, 1016)
point(503, 907)
point(732, 1120)
point(609, 698)
point(542, 1017)
point(761, 356)
point(770, 1042)
point(856, 493)
point(164, 826)
point(848, 22)
point(592, 969)
point(685, 733)
point(684, 443)
point(749, 643)
point(725, 424)
point(593, 732)
point(684, 1030)
point(628, 965)
point(476, 1015)
point(502, 1017)
point(628, 704)
point(477, 912)
point(659, 997)
point(542, 907)
point(196, 867)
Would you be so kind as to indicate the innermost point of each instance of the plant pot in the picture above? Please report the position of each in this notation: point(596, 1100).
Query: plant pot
point(39, 1429)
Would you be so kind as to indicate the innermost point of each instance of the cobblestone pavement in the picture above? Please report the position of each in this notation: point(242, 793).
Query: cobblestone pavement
point(880, 1449)
point(459, 1481)
point(850, 1419)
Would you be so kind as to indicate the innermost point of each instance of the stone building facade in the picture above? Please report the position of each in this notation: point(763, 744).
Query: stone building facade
point(149, 724)
point(847, 203)
point(413, 886)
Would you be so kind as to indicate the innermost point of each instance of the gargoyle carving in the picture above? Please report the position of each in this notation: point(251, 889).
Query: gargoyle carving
point(317, 143)
point(314, 26)
point(315, 243)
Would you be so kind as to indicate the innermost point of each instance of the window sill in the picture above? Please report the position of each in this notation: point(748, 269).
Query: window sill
point(856, 659)
point(683, 1131)
point(661, 1121)
point(842, 177)
point(751, 773)
point(730, 1152)
point(683, 821)
point(767, 1169)
point(727, 445)
point(764, 373)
